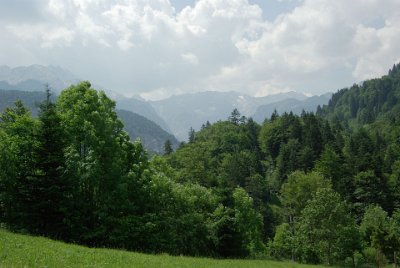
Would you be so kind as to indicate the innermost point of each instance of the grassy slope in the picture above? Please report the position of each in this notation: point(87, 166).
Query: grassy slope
point(27, 251)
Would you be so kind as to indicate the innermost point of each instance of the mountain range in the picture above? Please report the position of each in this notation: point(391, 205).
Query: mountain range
point(187, 111)
point(176, 114)
point(33, 77)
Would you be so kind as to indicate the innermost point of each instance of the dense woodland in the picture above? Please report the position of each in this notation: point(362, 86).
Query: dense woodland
point(314, 188)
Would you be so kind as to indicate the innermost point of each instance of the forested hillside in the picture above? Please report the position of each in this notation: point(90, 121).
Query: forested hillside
point(31, 99)
point(376, 99)
point(290, 105)
point(152, 136)
point(313, 188)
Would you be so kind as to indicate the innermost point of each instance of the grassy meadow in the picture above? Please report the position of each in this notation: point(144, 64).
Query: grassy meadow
point(26, 251)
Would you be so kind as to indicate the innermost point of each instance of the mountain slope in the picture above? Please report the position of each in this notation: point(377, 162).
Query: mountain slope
point(36, 75)
point(373, 100)
point(152, 136)
point(291, 105)
point(27, 85)
point(30, 99)
point(34, 78)
point(142, 108)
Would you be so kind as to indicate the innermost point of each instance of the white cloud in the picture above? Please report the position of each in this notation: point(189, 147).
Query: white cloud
point(190, 58)
point(305, 48)
point(47, 36)
point(57, 8)
point(145, 46)
point(161, 93)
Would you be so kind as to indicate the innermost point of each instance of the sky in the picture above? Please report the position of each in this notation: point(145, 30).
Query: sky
point(158, 48)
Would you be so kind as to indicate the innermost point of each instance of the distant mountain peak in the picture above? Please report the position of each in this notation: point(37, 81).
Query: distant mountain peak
point(57, 77)
point(35, 76)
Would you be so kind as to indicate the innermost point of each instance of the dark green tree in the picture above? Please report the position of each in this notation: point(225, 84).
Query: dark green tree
point(20, 138)
point(168, 147)
point(333, 166)
point(192, 135)
point(235, 117)
point(370, 190)
point(50, 188)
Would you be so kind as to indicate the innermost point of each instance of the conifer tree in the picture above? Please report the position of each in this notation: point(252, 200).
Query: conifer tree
point(192, 135)
point(51, 187)
point(168, 147)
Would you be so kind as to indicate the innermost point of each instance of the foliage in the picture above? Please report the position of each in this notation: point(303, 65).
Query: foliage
point(73, 174)
point(168, 147)
point(18, 166)
point(283, 244)
point(326, 230)
point(314, 188)
point(299, 190)
point(374, 228)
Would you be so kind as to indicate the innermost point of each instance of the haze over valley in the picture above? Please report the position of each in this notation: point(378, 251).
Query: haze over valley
point(176, 114)
point(200, 133)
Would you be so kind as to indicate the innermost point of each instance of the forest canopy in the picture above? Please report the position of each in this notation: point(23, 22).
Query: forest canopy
point(314, 188)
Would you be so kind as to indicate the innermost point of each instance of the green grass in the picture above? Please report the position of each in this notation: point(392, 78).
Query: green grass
point(26, 251)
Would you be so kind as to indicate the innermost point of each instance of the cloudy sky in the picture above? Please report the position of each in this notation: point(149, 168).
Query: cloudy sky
point(157, 48)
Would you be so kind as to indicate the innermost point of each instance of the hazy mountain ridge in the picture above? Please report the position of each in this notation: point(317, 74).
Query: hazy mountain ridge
point(291, 105)
point(142, 108)
point(35, 77)
point(57, 77)
point(176, 114)
point(31, 99)
point(192, 110)
point(27, 85)
point(152, 136)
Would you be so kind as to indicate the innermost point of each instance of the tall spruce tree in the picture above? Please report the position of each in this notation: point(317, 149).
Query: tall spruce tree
point(192, 135)
point(51, 187)
point(168, 147)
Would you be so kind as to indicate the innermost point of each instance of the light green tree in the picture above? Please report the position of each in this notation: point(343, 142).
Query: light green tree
point(298, 190)
point(249, 222)
point(374, 228)
point(326, 231)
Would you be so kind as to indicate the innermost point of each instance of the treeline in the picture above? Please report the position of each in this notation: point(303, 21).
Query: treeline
point(311, 188)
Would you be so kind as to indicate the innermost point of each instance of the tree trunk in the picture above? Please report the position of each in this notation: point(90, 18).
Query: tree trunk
point(378, 258)
point(291, 224)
